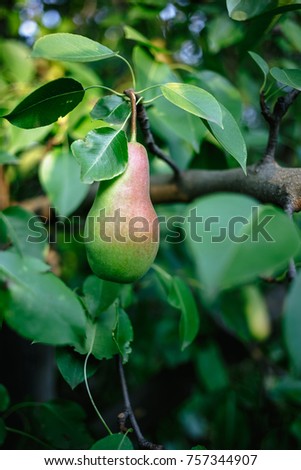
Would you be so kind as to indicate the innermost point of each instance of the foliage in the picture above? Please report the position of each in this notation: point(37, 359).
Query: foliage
point(213, 328)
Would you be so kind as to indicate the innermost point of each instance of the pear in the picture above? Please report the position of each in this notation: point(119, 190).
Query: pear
point(121, 230)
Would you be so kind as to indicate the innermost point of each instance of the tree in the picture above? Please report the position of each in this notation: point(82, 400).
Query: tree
point(213, 327)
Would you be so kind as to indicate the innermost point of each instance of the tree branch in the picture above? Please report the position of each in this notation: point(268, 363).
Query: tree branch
point(268, 182)
point(129, 414)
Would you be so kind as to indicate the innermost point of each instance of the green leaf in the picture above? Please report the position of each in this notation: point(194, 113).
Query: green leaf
point(61, 424)
point(40, 307)
point(292, 323)
point(194, 100)
point(134, 35)
point(110, 334)
point(17, 64)
point(71, 366)
point(112, 109)
point(102, 155)
point(230, 137)
point(289, 77)
point(70, 48)
point(2, 431)
point(261, 64)
point(181, 298)
point(233, 240)
point(25, 230)
point(4, 398)
point(189, 322)
point(60, 178)
point(113, 442)
point(99, 294)
point(123, 334)
point(46, 104)
point(7, 158)
point(241, 10)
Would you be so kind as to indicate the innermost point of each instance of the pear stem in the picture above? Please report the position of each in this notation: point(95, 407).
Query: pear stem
point(131, 94)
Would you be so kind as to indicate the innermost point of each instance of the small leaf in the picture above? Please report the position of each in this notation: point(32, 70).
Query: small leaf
point(70, 47)
point(189, 322)
point(134, 35)
point(71, 366)
point(40, 306)
point(25, 230)
point(261, 64)
point(102, 155)
point(112, 109)
point(230, 137)
point(99, 294)
point(46, 104)
point(7, 158)
point(4, 398)
point(292, 323)
point(194, 100)
point(60, 177)
point(123, 334)
point(289, 77)
point(113, 442)
point(180, 297)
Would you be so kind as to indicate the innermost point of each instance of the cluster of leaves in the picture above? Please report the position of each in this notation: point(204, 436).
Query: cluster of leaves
point(192, 112)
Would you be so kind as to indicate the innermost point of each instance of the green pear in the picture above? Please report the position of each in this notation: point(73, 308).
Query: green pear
point(121, 230)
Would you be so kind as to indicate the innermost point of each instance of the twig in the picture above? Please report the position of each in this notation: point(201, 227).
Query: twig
point(150, 141)
point(131, 94)
point(274, 120)
point(129, 414)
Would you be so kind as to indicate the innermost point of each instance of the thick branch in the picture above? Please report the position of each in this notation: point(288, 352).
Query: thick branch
point(268, 182)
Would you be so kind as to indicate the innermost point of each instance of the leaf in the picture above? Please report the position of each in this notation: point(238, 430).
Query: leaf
point(242, 10)
point(189, 322)
point(46, 104)
point(123, 334)
point(4, 398)
point(289, 77)
point(17, 65)
point(70, 48)
point(230, 137)
point(25, 230)
point(181, 298)
point(113, 442)
point(40, 306)
point(2, 431)
point(233, 240)
point(71, 366)
point(134, 35)
point(194, 100)
point(110, 334)
point(59, 175)
point(61, 424)
point(292, 323)
point(102, 155)
point(112, 109)
point(262, 65)
point(99, 294)
point(7, 158)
